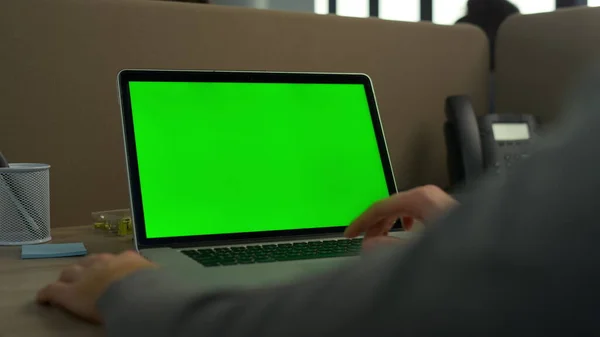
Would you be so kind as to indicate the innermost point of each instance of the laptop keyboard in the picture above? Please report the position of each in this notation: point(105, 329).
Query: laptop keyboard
point(228, 256)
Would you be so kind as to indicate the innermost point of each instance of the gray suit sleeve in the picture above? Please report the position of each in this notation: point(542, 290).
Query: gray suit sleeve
point(518, 257)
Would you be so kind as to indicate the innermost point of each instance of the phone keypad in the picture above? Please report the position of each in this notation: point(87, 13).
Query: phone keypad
point(511, 152)
point(510, 158)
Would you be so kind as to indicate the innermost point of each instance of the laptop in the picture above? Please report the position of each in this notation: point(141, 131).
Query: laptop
point(248, 178)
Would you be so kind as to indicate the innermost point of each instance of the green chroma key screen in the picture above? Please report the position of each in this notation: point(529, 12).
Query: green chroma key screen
point(222, 158)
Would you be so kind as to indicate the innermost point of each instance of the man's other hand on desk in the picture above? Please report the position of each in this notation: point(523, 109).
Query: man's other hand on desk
point(423, 203)
point(79, 286)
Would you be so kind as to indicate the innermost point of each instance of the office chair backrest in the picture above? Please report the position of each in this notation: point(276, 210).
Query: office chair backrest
point(540, 56)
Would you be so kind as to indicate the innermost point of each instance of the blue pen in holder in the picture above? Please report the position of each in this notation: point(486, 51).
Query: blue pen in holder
point(24, 204)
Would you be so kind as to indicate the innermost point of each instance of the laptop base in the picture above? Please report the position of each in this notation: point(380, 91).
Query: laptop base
point(246, 276)
point(255, 275)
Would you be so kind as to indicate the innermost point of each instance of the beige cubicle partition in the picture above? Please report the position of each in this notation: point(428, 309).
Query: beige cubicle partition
point(540, 57)
point(60, 59)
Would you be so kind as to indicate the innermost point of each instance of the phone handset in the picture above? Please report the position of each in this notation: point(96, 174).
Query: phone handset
point(462, 125)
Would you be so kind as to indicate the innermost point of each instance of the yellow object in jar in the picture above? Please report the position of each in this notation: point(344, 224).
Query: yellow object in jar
point(124, 227)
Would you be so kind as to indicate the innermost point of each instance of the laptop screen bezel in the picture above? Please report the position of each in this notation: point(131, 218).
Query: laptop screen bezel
point(130, 75)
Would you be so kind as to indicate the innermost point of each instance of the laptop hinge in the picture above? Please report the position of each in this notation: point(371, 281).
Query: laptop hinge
point(246, 241)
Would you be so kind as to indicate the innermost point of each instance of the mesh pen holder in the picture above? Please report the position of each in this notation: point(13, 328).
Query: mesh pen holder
point(24, 204)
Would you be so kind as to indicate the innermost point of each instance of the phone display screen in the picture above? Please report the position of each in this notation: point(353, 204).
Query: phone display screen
point(510, 131)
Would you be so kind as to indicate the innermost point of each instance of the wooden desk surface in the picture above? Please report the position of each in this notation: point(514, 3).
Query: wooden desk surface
point(21, 279)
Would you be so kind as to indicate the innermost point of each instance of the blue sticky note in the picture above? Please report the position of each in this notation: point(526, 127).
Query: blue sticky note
point(52, 250)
